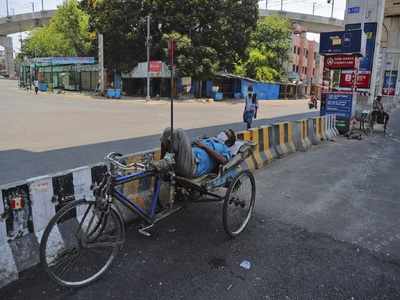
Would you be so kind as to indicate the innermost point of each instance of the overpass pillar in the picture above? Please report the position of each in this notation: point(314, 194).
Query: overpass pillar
point(359, 12)
point(7, 43)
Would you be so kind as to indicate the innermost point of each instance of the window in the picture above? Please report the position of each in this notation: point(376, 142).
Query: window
point(305, 52)
point(297, 69)
point(294, 49)
point(313, 72)
point(315, 55)
point(298, 51)
point(294, 68)
point(305, 70)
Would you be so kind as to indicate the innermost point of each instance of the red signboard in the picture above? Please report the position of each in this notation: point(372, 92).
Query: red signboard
point(171, 51)
point(363, 80)
point(155, 66)
point(340, 62)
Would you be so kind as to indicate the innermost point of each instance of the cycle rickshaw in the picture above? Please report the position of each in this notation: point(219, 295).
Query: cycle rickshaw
point(83, 238)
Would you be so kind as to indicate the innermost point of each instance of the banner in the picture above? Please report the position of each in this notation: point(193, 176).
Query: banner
point(389, 83)
point(340, 62)
point(339, 103)
point(347, 78)
point(341, 42)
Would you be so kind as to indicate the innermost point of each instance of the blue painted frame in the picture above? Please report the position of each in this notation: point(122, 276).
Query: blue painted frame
point(120, 180)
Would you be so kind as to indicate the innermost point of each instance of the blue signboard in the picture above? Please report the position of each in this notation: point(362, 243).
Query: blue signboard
point(341, 42)
point(367, 61)
point(389, 83)
point(340, 104)
point(353, 10)
point(73, 60)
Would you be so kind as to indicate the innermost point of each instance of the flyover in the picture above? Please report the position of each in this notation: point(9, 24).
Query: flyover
point(310, 23)
point(19, 23)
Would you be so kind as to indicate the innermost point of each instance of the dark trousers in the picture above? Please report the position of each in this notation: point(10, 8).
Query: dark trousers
point(381, 117)
point(36, 90)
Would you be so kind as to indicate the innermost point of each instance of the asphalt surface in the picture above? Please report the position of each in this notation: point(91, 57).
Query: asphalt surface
point(20, 164)
point(325, 227)
point(49, 133)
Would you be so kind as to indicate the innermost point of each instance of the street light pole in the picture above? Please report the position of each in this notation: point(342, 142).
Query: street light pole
point(148, 58)
point(42, 5)
point(8, 13)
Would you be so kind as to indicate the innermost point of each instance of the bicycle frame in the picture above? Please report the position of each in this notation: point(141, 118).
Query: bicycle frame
point(149, 216)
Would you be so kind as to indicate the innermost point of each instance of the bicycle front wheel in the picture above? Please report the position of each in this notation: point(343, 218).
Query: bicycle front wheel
point(80, 243)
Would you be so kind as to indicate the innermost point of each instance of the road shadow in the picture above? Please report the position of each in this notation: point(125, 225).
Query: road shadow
point(18, 164)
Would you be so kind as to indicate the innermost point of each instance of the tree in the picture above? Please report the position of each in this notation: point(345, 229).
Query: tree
point(66, 34)
point(214, 33)
point(268, 50)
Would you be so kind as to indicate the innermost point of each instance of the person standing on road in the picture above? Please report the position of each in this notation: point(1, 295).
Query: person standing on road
point(250, 108)
point(36, 85)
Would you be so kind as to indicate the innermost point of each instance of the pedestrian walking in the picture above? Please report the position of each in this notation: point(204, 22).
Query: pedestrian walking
point(250, 108)
point(36, 85)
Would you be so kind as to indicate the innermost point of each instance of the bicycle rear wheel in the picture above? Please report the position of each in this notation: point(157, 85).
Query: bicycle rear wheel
point(239, 203)
point(80, 243)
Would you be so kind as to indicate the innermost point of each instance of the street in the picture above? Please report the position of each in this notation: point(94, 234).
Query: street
point(325, 227)
point(49, 133)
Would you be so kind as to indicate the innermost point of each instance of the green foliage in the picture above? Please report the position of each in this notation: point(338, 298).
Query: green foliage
point(66, 34)
point(268, 50)
point(214, 33)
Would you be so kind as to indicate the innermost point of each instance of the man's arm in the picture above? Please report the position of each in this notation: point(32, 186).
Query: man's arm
point(215, 155)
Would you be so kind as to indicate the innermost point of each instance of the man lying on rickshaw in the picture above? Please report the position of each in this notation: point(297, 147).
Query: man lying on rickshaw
point(201, 157)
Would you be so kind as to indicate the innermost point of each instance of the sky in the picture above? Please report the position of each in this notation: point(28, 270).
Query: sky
point(302, 6)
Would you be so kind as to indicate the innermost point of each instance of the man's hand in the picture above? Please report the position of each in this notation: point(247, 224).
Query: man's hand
point(198, 144)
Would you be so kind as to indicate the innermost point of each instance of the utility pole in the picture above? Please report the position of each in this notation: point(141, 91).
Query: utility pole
point(101, 62)
point(333, 5)
point(33, 7)
point(8, 13)
point(42, 5)
point(148, 57)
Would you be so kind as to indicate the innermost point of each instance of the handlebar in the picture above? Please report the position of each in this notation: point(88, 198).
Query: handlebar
point(113, 159)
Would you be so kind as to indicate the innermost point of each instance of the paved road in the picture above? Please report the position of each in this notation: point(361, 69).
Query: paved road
point(326, 227)
point(49, 133)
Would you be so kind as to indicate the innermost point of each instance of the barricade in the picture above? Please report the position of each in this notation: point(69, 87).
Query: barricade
point(250, 163)
point(283, 139)
point(263, 153)
point(313, 132)
point(300, 135)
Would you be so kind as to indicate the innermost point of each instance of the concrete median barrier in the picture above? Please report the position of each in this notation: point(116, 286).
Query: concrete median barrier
point(300, 134)
point(27, 206)
point(282, 134)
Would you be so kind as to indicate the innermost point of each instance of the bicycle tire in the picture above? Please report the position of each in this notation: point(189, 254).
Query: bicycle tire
point(99, 227)
point(229, 202)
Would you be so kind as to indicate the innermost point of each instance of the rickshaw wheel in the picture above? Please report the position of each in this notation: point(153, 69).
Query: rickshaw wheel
point(239, 203)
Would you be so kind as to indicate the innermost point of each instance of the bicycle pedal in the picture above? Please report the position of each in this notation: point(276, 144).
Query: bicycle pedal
point(143, 230)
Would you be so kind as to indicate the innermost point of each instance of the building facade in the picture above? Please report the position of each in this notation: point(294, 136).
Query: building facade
point(305, 66)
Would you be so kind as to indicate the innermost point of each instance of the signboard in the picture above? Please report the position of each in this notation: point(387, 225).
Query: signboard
point(389, 83)
point(341, 42)
point(171, 51)
point(353, 10)
point(64, 60)
point(155, 66)
point(340, 62)
point(363, 80)
point(358, 9)
point(339, 103)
